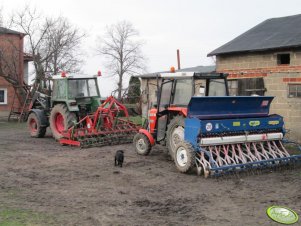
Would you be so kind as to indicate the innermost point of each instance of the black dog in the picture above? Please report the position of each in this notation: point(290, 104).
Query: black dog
point(119, 157)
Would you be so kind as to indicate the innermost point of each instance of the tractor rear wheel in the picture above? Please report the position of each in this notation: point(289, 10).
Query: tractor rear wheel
point(142, 144)
point(175, 134)
point(60, 120)
point(184, 157)
point(34, 125)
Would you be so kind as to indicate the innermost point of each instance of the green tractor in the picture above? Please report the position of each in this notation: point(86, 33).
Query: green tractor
point(72, 97)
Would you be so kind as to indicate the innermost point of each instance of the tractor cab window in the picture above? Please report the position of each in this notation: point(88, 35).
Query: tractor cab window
point(92, 88)
point(217, 87)
point(165, 94)
point(200, 87)
point(60, 89)
point(183, 92)
point(82, 88)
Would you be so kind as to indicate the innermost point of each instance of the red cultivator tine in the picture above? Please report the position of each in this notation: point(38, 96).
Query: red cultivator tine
point(104, 127)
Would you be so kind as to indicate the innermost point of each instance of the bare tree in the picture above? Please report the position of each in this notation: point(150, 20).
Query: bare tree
point(54, 43)
point(122, 50)
point(64, 42)
point(10, 69)
point(9, 62)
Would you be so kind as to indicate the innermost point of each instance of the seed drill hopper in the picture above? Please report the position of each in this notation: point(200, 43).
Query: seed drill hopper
point(232, 133)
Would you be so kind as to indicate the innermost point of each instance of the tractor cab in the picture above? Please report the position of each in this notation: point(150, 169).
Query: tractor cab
point(80, 93)
point(175, 93)
point(178, 88)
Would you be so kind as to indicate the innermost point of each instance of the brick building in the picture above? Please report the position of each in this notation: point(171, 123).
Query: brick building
point(13, 65)
point(266, 60)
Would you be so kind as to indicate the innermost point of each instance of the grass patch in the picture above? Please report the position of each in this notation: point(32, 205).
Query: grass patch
point(137, 120)
point(21, 217)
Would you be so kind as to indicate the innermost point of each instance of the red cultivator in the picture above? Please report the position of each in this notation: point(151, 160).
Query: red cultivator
point(107, 126)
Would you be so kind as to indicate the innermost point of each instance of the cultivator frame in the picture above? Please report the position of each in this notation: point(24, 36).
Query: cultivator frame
point(104, 127)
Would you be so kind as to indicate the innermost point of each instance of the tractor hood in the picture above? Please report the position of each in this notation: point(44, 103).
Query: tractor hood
point(229, 107)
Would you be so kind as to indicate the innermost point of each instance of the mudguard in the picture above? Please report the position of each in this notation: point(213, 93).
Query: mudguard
point(148, 135)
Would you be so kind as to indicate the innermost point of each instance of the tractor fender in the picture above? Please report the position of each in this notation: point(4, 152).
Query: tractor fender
point(148, 135)
point(41, 115)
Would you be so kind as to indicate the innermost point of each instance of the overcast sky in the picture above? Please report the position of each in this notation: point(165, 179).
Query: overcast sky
point(196, 27)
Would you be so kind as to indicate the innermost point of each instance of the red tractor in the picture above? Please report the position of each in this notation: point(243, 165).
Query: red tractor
point(166, 118)
point(203, 126)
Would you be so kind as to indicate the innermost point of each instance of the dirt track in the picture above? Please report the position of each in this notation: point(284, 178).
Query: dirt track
point(82, 187)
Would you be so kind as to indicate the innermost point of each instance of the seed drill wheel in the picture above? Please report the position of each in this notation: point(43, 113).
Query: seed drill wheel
point(184, 157)
point(141, 144)
point(175, 134)
point(34, 125)
point(60, 120)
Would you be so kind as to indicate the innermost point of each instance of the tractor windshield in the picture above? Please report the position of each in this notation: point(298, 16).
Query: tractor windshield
point(183, 92)
point(82, 88)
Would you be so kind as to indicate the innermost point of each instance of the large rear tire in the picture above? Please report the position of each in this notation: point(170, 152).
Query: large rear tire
point(142, 144)
point(184, 157)
point(60, 120)
point(175, 134)
point(34, 126)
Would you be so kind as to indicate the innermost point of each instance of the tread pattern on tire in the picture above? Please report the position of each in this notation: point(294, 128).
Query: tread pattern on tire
point(69, 117)
point(176, 121)
point(41, 131)
point(146, 140)
point(191, 157)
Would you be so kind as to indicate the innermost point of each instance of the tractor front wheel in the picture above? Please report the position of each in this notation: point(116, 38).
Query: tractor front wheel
point(184, 157)
point(34, 126)
point(142, 144)
point(61, 119)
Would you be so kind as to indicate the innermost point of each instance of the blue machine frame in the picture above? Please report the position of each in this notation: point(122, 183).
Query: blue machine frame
point(227, 116)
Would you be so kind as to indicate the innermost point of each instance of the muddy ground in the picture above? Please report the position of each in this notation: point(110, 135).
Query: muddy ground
point(71, 186)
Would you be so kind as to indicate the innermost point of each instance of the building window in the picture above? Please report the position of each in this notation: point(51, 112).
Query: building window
point(3, 96)
point(283, 58)
point(294, 90)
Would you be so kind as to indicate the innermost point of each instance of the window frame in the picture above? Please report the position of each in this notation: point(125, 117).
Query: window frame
point(5, 96)
point(278, 56)
point(288, 90)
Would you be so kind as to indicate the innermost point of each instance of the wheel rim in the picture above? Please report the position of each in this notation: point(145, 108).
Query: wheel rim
point(177, 136)
point(59, 122)
point(140, 145)
point(33, 126)
point(182, 156)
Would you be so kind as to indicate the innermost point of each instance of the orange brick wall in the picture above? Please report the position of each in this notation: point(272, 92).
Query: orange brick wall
point(276, 80)
point(12, 48)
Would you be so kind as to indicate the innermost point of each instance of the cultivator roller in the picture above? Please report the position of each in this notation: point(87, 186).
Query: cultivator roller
point(240, 135)
point(109, 125)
